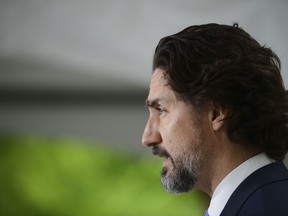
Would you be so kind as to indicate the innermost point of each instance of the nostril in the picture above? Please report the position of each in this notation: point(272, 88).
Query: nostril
point(145, 138)
point(151, 138)
point(151, 135)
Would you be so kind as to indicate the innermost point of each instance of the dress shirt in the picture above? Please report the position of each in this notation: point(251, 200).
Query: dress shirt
point(227, 186)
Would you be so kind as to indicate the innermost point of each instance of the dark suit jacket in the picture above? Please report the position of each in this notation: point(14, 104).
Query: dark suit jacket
point(263, 193)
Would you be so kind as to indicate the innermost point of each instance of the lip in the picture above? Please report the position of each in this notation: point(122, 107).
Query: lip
point(160, 153)
point(166, 162)
point(163, 155)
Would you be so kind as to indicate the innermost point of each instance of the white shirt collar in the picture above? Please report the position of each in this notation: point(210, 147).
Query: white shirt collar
point(227, 186)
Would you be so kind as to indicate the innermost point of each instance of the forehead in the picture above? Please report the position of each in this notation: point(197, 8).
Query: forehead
point(158, 78)
point(159, 87)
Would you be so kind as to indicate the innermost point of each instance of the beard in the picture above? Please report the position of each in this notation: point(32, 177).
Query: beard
point(184, 173)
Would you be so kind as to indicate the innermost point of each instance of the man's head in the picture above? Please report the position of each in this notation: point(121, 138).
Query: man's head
point(224, 64)
point(220, 65)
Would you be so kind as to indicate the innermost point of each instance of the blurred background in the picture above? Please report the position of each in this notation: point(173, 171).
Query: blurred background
point(74, 75)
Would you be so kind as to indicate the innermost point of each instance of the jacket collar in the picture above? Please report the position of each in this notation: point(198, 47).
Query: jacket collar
point(268, 174)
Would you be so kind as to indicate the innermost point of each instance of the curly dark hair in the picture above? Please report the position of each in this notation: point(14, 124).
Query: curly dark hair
point(226, 65)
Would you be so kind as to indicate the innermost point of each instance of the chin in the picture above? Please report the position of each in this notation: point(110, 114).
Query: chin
point(177, 181)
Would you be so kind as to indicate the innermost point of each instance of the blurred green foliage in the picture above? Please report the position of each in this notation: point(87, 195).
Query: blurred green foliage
point(66, 177)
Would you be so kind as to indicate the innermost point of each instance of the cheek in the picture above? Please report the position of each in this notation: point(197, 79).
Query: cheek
point(177, 137)
point(171, 130)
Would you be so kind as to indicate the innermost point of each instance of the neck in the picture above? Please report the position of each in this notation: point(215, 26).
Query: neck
point(220, 163)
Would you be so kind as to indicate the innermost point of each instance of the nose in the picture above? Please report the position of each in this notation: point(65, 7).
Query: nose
point(151, 135)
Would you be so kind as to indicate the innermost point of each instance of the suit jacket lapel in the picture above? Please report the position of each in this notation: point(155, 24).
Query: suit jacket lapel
point(267, 174)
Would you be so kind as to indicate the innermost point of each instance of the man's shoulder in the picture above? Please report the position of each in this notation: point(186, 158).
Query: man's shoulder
point(270, 199)
point(263, 192)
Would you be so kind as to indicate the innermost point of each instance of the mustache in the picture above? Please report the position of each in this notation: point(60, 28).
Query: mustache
point(160, 151)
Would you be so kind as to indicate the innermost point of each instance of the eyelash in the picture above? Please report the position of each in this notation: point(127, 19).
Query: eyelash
point(159, 110)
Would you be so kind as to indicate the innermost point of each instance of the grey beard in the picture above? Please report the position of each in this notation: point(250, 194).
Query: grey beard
point(182, 178)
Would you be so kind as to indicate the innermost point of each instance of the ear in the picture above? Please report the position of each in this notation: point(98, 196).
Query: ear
point(217, 115)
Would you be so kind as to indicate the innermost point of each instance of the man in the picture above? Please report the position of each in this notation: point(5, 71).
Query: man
point(219, 115)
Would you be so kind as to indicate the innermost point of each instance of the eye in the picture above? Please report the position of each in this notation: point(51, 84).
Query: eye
point(160, 110)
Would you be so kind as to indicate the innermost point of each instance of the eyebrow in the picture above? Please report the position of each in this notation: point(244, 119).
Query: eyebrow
point(151, 103)
point(154, 102)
